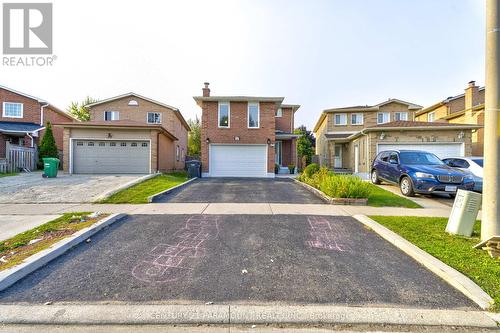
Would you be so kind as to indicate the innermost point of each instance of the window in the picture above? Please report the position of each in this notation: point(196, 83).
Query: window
point(21, 142)
point(12, 110)
point(154, 118)
point(133, 144)
point(384, 156)
point(144, 144)
point(79, 143)
point(393, 157)
point(182, 155)
point(356, 119)
point(111, 115)
point(102, 144)
point(133, 102)
point(401, 116)
point(383, 117)
point(177, 153)
point(279, 113)
point(224, 115)
point(90, 144)
point(431, 117)
point(253, 115)
point(340, 119)
point(112, 144)
point(123, 144)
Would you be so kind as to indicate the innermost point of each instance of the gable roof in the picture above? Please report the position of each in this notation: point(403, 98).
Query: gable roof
point(132, 94)
point(443, 102)
point(199, 99)
point(19, 127)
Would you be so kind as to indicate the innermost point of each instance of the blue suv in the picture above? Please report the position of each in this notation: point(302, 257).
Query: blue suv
point(419, 172)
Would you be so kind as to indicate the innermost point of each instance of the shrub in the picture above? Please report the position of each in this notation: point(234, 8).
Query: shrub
point(344, 186)
point(310, 170)
point(48, 146)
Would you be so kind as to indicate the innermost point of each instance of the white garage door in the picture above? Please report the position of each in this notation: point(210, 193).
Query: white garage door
point(238, 160)
point(441, 150)
point(104, 157)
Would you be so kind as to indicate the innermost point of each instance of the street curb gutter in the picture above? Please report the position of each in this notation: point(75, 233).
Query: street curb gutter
point(10, 276)
point(134, 314)
point(447, 273)
point(152, 197)
point(125, 186)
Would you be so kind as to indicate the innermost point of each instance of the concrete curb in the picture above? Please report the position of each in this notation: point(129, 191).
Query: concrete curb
point(152, 197)
point(447, 273)
point(330, 200)
point(132, 314)
point(125, 186)
point(10, 276)
point(313, 190)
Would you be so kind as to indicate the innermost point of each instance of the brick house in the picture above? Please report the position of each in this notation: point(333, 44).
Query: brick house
point(466, 108)
point(23, 119)
point(129, 133)
point(245, 136)
point(348, 139)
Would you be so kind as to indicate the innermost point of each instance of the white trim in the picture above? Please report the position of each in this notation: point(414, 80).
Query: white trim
point(135, 95)
point(433, 113)
point(340, 157)
point(3, 110)
point(147, 117)
point(258, 115)
point(388, 118)
point(342, 132)
point(279, 113)
point(70, 167)
point(358, 114)
point(112, 112)
point(335, 121)
point(228, 114)
point(400, 113)
point(356, 158)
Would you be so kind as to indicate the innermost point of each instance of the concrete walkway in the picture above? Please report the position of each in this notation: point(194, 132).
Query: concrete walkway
point(11, 225)
point(222, 208)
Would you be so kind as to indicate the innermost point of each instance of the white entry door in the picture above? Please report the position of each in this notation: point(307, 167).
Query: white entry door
point(356, 159)
point(238, 160)
point(338, 157)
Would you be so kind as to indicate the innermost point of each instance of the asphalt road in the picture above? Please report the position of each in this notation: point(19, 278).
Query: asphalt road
point(288, 259)
point(242, 190)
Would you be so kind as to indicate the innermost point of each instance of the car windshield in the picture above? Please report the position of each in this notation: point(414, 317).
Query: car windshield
point(418, 157)
point(478, 161)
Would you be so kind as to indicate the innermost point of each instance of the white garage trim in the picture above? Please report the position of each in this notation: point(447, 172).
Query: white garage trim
point(212, 173)
point(70, 168)
point(413, 144)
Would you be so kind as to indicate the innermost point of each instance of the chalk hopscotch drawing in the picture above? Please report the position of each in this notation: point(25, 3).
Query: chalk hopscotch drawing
point(169, 262)
point(326, 235)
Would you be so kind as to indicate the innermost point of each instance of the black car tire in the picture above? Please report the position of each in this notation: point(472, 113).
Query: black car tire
point(374, 177)
point(406, 187)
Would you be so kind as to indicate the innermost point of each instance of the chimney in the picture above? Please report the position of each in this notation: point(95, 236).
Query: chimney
point(471, 95)
point(206, 90)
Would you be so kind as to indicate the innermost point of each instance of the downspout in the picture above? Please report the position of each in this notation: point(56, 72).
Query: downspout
point(158, 152)
point(41, 112)
point(367, 160)
point(32, 140)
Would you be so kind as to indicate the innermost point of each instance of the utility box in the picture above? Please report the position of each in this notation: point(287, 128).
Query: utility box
point(464, 213)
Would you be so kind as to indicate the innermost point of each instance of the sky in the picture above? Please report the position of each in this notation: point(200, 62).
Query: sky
point(316, 53)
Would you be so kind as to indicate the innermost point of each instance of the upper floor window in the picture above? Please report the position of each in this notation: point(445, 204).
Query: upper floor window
point(177, 153)
point(431, 117)
point(340, 119)
point(111, 115)
point(356, 119)
point(154, 118)
point(279, 113)
point(253, 115)
point(12, 110)
point(401, 116)
point(224, 115)
point(133, 102)
point(383, 117)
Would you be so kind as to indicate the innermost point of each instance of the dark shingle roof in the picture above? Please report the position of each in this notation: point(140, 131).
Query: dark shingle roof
point(7, 126)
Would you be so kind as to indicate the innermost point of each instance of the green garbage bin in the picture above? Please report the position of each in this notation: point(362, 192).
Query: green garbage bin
point(50, 167)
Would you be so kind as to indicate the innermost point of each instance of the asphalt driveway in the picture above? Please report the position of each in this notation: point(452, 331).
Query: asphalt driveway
point(242, 190)
point(286, 259)
point(33, 188)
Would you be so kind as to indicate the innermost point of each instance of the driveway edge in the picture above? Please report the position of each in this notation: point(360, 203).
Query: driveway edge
point(130, 314)
point(447, 273)
point(125, 186)
point(10, 276)
point(152, 197)
point(314, 191)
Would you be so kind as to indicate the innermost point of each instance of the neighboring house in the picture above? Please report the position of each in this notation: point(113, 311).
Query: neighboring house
point(348, 139)
point(244, 136)
point(23, 119)
point(466, 108)
point(126, 134)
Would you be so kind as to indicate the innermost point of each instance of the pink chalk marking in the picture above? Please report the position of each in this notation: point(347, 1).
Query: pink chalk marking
point(325, 235)
point(169, 262)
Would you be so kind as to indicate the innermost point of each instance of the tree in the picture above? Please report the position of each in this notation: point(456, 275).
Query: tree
point(48, 147)
point(194, 138)
point(305, 144)
point(80, 110)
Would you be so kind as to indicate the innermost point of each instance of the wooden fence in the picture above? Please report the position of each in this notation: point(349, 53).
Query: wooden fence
point(20, 158)
point(3, 165)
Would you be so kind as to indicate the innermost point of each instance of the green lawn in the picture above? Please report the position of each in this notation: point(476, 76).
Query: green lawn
point(8, 174)
point(139, 193)
point(17, 248)
point(383, 198)
point(428, 234)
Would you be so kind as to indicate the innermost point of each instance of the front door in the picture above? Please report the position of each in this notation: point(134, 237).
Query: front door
point(338, 157)
point(277, 153)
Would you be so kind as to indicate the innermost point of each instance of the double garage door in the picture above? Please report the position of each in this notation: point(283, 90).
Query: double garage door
point(238, 160)
point(441, 150)
point(105, 157)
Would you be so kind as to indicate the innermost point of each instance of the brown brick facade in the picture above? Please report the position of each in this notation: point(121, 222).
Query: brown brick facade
point(285, 122)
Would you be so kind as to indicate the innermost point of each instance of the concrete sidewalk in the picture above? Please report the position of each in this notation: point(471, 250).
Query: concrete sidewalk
point(222, 208)
point(11, 225)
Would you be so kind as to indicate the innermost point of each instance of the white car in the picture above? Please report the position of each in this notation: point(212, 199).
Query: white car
point(472, 164)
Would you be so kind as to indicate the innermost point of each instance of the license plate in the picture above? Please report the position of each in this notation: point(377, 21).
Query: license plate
point(450, 188)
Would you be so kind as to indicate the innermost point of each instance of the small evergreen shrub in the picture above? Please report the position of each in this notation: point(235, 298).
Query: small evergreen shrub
point(310, 170)
point(48, 147)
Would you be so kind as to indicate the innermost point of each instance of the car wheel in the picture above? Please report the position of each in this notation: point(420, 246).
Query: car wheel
point(374, 177)
point(406, 187)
